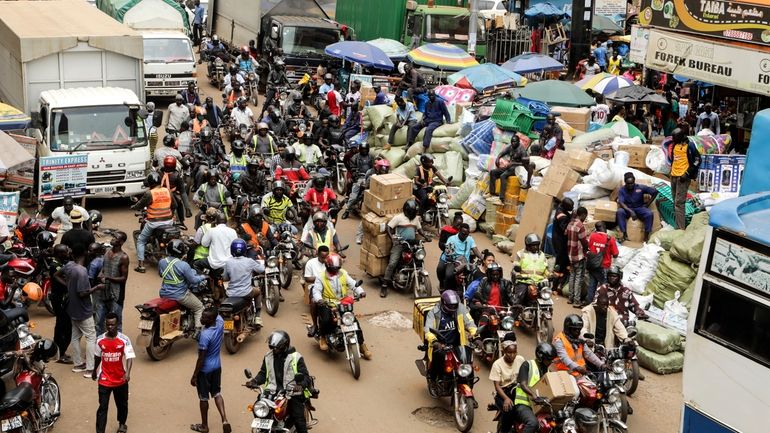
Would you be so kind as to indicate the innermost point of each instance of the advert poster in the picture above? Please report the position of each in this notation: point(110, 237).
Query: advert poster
point(9, 206)
point(746, 21)
point(62, 175)
point(611, 8)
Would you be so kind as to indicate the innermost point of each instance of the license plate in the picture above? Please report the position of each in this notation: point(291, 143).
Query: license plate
point(145, 325)
point(502, 333)
point(11, 423)
point(27, 341)
point(545, 301)
point(618, 376)
point(289, 73)
point(262, 424)
point(349, 328)
point(101, 189)
point(611, 409)
point(229, 325)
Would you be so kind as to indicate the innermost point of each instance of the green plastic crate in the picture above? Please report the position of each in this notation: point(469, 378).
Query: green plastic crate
point(666, 205)
point(511, 115)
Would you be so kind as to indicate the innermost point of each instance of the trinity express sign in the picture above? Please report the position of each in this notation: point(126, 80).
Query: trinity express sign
point(715, 63)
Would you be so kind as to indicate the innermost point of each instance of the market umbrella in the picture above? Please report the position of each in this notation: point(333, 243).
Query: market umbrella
point(391, 47)
point(602, 24)
point(12, 153)
point(555, 92)
point(611, 84)
point(12, 118)
point(442, 56)
point(624, 129)
point(486, 77)
point(543, 11)
point(590, 81)
point(361, 53)
point(636, 94)
point(532, 62)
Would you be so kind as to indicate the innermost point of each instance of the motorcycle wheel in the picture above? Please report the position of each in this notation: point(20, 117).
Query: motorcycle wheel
point(48, 304)
point(154, 349)
point(463, 412)
point(50, 394)
point(354, 361)
point(632, 373)
point(623, 408)
point(231, 343)
point(544, 330)
point(422, 287)
point(617, 429)
point(341, 183)
point(284, 275)
point(272, 300)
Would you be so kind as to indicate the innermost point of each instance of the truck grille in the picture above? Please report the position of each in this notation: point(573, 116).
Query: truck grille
point(105, 177)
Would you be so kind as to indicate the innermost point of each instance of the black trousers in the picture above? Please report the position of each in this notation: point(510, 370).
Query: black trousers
point(62, 331)
point(120, 395)
point(297, 414)
point(326, 323)
point(526, 416)
point(197, 29)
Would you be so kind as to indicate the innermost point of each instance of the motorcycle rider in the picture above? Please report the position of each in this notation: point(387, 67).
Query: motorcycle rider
point(279, 368)
point(278, 208)
point(423, 179)
point(190, 95)
point(533, 266)
point(328, 290)
point(359, 164)
point(233, 73)
point(275, 122)
point(212, 194)
point(571, 349)
point(353, 123)
point(179, 279)
point(493, 290)
point(209, 220)
point(276, 78)
point(214, 48)
point(160, 213)
point(233, 92)
point(238, 161)
point(335, 134)
point(320, 196)
point(209, 151)
point(218, 240)
point(404, 226)
point(172, 180)
point(252, 183)
point(297, 107)
point(503, 374)
point(246, 63)
point(213, 113)
point(238, 271)
point(620, 297)
point(449, 314)
point(243, 114)
point(290, 168)
point(308, 153)
point(257, 232)
point(529, 374)
point(322, 232)
point(602, 320)
point(263, 143)
point(168, 149)
point(458, 247)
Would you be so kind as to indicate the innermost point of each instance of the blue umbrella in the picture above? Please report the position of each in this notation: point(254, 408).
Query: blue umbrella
point(361, 53)
point(532, 62)
point(542, 11)
point(487, 76)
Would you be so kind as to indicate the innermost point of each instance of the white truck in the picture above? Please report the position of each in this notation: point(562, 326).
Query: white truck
point(169, 62)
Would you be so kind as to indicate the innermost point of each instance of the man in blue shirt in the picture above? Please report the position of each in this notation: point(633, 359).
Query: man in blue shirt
point(207, 377)
point(631, 204)
point(460, 245)
point(179, 278)
point(435, 113)
point(327, 86)
point(600, 53)
point(198, 22)
point(380, 98)
point(405, 116)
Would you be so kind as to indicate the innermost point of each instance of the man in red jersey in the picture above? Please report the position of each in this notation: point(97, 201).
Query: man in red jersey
point(113, 358)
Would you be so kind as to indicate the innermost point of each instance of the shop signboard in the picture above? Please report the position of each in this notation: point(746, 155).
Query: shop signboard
point(724, 65)
point(610, 8)
point(62, 176)
point(745, 21)
point(9, 207)
point(640, 37)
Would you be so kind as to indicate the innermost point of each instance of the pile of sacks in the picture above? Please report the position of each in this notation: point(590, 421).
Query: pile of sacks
point(660, 349)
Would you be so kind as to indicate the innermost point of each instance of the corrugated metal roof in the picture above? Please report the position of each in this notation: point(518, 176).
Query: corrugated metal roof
point(55, 19)
point(94, 95)
point(305, 21)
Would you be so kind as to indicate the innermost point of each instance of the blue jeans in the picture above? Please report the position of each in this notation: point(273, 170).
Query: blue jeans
point(144, 236)
point(596, 277)
point(101, 308)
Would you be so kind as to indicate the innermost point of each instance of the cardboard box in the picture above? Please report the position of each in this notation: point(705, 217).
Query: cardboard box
point(374, 224)
point(635, 229)
point(604, 154)
point(421, 308)
point(576, 159)
point(501, 228)
point(391, 186)
point(383, 207)
point(534, 218)
point(367, 95)
point(637, 154)
point(558, 180)
point(505, 218)
point(379, 245)
point(577, 118)
point(373, 266)
point(559, 387)
point(170, 325)
point(605, 210)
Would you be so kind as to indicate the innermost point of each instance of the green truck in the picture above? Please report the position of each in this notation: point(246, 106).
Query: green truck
point(412, 22)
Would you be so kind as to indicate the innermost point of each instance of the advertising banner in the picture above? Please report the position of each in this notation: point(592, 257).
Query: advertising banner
point(746, 21)
point(610, 8)
point(725, 65)
point(62, 175)
point(640, 37)
point(9, 206)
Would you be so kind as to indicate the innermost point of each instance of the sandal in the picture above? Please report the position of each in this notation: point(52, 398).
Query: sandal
point(141, 270)
point(122, 429)
point(199, 428)
point(226, 427)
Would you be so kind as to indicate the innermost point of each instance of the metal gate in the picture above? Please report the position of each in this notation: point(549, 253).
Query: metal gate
point(503, 44)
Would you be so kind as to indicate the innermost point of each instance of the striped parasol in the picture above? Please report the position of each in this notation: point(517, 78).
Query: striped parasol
point(589, 82)
point(611, 84)
point(442, 56)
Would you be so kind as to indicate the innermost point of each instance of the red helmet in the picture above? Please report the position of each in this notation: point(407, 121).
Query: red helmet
point(382, 165)
point(333, 263)
point(169, 163)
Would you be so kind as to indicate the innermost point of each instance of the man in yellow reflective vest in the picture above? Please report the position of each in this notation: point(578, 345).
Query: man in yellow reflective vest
point(530, 266)
point(160, 213)
point(334, 284)
point(520, 407)
point(322, 233)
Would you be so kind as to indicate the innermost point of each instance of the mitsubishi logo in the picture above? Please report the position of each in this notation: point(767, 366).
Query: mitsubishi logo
point(102, 159)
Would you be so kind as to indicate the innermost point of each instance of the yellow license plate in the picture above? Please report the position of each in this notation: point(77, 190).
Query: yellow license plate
point(229, 325)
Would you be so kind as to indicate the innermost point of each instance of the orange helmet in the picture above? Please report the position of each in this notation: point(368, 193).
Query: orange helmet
point(32, 291)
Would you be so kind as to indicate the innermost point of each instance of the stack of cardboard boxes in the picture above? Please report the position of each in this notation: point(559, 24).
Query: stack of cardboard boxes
point(505, 215)
point(721, 173)
point(385, 198)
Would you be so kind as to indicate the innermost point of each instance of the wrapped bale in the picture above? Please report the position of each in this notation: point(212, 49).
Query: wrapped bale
point(394, 155)
point(665, 238)
point(457, 200)
point(688, 248)
point(662, 364)
point(409, 167)
point(670, 276)
point(447, 130)
point(641, 269)
point(658, 339)
point(377, 115)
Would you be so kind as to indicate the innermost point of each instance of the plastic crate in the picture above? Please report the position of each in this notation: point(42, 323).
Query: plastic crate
point(538, 109)
point(666, 205)
point(505, 107)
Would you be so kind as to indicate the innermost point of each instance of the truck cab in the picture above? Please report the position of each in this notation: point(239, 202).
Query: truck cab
point(449, 24)
point(169, 63)
point(103, 123)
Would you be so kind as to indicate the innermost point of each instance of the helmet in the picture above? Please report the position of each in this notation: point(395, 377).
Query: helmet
point(255, 211)
point(333, 263)
point(382, 164)
point(586, 417)
point(319, 182)
point(176, 248)
point(153, 179)
point(238, 248)
point(532, 239)
point(279, 185)
point(95, 217)
point(328, 76)
point(262, 125)
point(572, 325)
point(426, 158)
point(238, 145)
point(254, 162)
point(32, 291)
point(334, 120)
point(215, 38)
point(410, 209)
point(45, 239)
point(211, 215)
point(289, 153)
point(45, 349)
point(615, 270)
point(241, 101)
point(150, 106)
point(207, 134)
point(545, 353)
point(278, 341)
point(449, 301)
point(169, 140)
point(169, 163)
point(494, 272)
point(319, 216)
point(296, 97)
point(363, 146)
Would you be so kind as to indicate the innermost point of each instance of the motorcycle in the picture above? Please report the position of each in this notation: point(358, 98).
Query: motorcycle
point(622, 360)
point(28, 265)
point(436, 213)
point(268, 283)
point(410, 272)
point(218, 76)
point(335, 157)
point(608, 399)
point(344, 337)
point(238, 315)
point(159, 238)
point(287, 253)
point(456, 380)
point(548, 420)
point(494, 324)
point(162, 321)
point(270, 410)
point(535, 311)
point(252, 86)
point(279, 100)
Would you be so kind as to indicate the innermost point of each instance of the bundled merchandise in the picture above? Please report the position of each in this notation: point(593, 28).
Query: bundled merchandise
point(641, 269)
point(384, 199)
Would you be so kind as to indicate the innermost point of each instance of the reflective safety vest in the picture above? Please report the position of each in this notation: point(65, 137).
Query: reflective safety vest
point(168, 275)
point(221, 190)
point(328, 292)
point(254, 241)
point(238, 165)
point(290, 370)
point(533, 267)
point(534, 377)
point(426, 176)
point(202, 252)
point(319, 240)
point(160, 208)
point(255, 140)
point(575, 356)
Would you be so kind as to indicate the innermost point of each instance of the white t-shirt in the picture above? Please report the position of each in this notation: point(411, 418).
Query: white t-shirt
point(592, 70)
point(504, 373)
point(63, 217)
point(242, 117)
point(314, 268)
point(218, 239)
point(600, 113)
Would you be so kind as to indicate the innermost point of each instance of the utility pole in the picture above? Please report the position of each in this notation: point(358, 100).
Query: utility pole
point(580, 37)
point(473, 27)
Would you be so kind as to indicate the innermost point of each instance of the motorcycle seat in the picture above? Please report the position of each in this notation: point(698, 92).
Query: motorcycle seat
point(17, 398)
point(4, 259)
point(162, 305)
point(234, 304)
point(16, 316)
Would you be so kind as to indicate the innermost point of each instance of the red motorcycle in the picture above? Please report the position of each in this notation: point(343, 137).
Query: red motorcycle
point(28, 268)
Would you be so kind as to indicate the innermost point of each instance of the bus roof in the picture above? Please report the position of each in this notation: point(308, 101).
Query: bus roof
point(745, 216)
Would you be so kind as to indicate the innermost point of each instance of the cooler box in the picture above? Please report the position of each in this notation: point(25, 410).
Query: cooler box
point(421, 308)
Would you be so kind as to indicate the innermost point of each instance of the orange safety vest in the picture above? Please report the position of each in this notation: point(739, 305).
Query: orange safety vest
point(577, 357)
point(429, 180)
point(250, 231)
point(160, 208)
point(165, 182)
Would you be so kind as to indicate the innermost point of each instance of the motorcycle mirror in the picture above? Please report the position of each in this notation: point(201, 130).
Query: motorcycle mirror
point(247, 373)
point(359, 283)
point(344, 248)
point(517, 268)
point(589, 336)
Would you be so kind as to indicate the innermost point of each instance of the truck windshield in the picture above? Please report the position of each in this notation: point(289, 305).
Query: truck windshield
point(308, 40)
point(448, 28)
point(167, 51)
point(95, 128)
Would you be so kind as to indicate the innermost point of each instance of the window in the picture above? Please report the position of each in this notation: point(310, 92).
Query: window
point(734, 321)
point(95, 128)
point(452, 29)
point(308, 40)
point(486, 4)
point(168, 51)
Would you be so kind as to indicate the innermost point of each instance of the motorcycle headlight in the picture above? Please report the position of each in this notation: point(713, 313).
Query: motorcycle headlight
point(442, 198)
point(618, 366)
point(420, 254)
point(251, 76)
point(569, 425)
point(218, 62)
point(465, 370)
point(261, 410)
point(23, 331)
point(507, 323)
point(348, 319)
point(272, 262)
point(613, 396)
point(546, 294)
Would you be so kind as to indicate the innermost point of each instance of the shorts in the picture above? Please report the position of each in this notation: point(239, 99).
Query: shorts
point(209, 384)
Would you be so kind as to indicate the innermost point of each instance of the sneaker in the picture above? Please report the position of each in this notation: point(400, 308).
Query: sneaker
point(365, 352)
point(64, 359)
point(322, 344)
point(88, 374)
point(345, 215)
point(311, 331)
point(79, 368)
